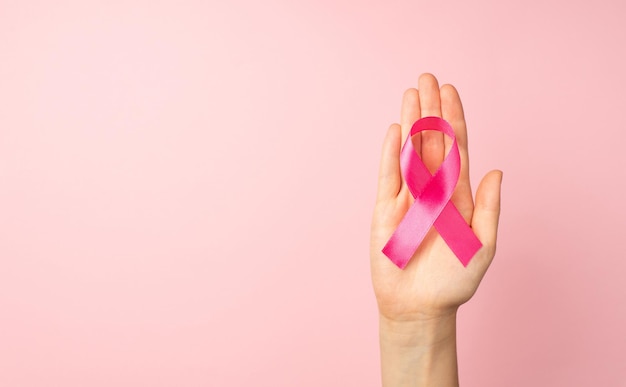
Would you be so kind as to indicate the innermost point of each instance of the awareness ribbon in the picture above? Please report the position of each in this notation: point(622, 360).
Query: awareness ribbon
point(432, 204)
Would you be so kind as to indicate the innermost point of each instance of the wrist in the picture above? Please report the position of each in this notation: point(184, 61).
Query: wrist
point(421, 330)
point(420, 352)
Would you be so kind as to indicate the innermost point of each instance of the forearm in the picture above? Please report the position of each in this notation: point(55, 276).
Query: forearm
point(419, 353)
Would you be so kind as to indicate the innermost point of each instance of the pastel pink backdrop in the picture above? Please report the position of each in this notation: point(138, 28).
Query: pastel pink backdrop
point(186, 187)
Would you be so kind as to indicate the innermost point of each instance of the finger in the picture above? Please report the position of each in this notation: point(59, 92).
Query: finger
point(410, 113)
point(431, 141)
point(389, 178)
point(452, 111)
point(487, 210)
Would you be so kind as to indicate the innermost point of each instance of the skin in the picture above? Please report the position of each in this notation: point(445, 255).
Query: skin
point(418, 305)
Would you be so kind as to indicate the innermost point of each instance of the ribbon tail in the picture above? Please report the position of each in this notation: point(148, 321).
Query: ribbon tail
point(409, 234)
point(457, 234)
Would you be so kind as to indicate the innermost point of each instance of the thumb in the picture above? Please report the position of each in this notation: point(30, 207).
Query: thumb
point(487, 210)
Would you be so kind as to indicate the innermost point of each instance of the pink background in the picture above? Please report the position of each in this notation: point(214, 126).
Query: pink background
point(186, 187)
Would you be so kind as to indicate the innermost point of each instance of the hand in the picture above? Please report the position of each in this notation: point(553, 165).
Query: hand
point(434, 283)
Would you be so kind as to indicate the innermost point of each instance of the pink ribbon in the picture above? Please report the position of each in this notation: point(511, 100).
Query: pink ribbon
point(432, 204)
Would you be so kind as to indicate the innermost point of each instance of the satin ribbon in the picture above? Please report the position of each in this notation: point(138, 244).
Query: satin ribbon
point(432, 204)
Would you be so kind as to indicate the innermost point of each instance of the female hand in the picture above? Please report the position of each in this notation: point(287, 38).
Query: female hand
point(434, 283)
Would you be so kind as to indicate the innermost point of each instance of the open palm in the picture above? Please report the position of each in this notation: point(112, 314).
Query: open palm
point(434, 281)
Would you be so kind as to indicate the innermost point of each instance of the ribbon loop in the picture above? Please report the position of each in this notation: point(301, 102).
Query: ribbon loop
point(432, 204)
